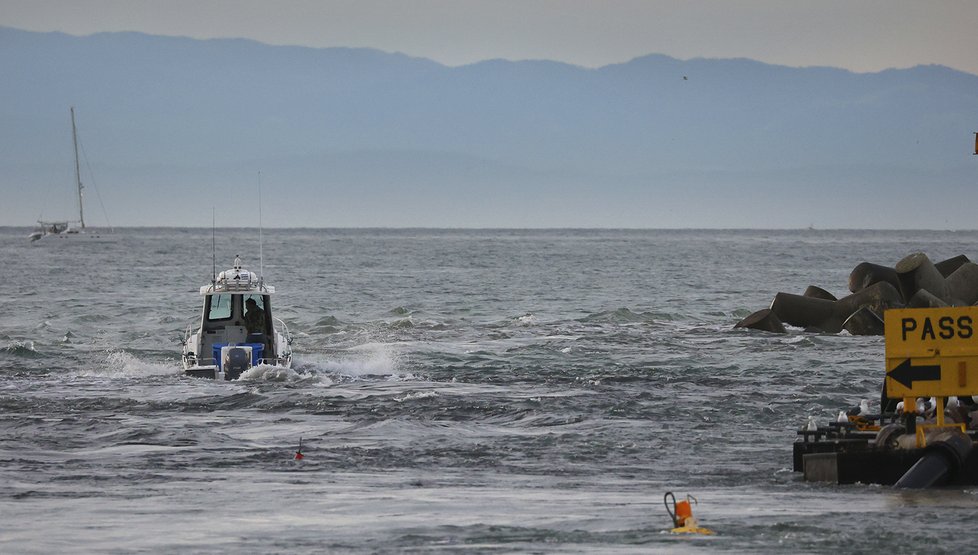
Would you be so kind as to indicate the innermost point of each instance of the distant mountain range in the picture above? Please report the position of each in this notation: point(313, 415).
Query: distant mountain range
point(357, 137)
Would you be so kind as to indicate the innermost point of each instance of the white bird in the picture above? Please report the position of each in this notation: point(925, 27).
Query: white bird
point(842, 418)
point(864, 406)
point(812, 425)
point(899, 407)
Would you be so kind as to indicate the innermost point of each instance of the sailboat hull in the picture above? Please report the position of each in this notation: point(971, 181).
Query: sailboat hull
point(82, 237)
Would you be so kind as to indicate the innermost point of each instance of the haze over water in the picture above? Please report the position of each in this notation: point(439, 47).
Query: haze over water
point(477, 391)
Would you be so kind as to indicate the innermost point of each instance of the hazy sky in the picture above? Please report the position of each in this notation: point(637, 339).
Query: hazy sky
point(867, 35)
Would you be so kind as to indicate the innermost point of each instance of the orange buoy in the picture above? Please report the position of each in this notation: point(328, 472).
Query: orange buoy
point(682, 515)
point(683, 511)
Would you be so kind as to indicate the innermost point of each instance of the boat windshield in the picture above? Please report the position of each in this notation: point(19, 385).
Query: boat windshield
point(257, 298)
point(220, 308)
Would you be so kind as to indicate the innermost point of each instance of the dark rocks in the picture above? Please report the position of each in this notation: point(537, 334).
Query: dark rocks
point(764, 320)
point(806, 312)
point(818, 293)
point(915, 282)
point(864, 322)
point(866, 274)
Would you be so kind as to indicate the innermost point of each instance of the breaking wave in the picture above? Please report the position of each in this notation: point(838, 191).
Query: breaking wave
point(371, 360)
point(22, 349)
point(121, 364)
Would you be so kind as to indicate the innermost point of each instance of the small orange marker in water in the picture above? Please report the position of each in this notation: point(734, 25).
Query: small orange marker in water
point(682, 516)
point(298, 453)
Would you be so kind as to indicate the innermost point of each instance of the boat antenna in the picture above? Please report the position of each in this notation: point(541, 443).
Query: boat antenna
point(261, 259)
point(74, 141)
point(213, 247)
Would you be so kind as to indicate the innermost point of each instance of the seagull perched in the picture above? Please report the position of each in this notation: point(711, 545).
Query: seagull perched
point(842, 418)
point(812, 425)
point(863, 408)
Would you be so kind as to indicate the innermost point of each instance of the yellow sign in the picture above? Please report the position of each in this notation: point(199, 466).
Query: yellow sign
point(931, 352)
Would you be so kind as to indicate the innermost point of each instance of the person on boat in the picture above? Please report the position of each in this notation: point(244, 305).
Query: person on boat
point(254, 317)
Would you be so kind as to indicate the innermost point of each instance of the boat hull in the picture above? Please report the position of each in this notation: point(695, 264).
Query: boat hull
point(215, 373)
point(204, 372)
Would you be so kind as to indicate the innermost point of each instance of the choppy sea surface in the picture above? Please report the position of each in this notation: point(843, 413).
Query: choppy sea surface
point(455, 391)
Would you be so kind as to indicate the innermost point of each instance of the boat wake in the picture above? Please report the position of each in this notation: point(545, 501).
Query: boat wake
point(270, 373)
point(122, 364)
point(364, 362)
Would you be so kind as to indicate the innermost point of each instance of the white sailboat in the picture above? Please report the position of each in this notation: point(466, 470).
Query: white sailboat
point(65, 230)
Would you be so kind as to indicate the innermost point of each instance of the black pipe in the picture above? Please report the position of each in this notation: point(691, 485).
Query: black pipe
point(943, 457)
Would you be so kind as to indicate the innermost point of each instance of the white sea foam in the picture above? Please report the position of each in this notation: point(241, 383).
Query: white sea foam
point(416, 395)
point(21, 346)
point(370, 359)
point(121, 364)
point(269, 373)
point(526, 320)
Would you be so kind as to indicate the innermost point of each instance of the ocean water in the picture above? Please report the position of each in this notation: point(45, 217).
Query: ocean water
point(455, 391)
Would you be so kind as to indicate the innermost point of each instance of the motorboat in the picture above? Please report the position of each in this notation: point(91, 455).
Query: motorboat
point(70, 231)
point(236, 331)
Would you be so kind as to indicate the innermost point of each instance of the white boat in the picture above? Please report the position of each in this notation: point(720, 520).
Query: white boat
point(65, 230)
point(237, 330)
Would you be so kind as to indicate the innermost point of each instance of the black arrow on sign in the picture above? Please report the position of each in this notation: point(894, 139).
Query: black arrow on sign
point(906, 374)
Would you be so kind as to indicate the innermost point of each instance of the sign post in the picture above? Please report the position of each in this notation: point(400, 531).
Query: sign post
point(931, 352)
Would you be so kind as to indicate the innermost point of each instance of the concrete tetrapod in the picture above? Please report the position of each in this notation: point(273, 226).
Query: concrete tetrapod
point(764, 320)
point(914, 282)
point(951, 265)
point(925, 299)
point(915, 272)
point(818, 293)
point(864, 322)
point(866, 274)
point(806, 312)
point(829, 316)
point(962, 284)
point(878, 296)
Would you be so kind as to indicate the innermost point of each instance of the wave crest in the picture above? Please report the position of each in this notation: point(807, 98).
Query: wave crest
point(365, 361)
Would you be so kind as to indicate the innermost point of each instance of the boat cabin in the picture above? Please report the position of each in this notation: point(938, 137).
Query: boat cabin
point(237, 312)
point(237, 319)
point(237, 330)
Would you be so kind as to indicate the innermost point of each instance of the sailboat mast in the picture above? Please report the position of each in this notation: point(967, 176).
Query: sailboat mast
point(74, 140)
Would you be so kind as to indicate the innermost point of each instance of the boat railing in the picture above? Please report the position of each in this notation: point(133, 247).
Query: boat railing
point(283, 329)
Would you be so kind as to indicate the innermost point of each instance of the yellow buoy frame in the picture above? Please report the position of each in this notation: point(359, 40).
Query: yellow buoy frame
point(682, 516)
